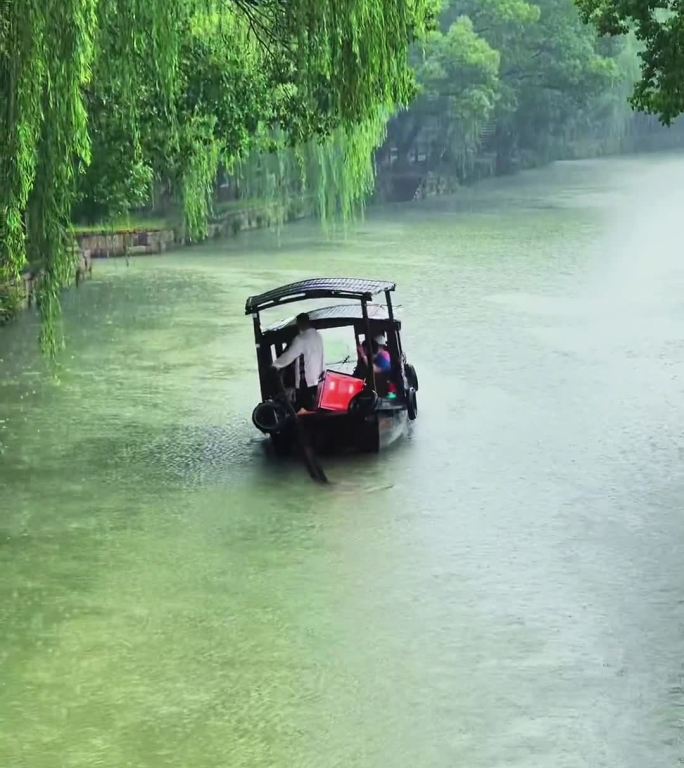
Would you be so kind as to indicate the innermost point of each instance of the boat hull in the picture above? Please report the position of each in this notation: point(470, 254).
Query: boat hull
point(331, 433)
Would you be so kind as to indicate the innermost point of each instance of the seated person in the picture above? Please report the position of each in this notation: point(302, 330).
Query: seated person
point(382, 365)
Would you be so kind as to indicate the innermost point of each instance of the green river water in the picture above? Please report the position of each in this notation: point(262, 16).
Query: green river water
point(505, 589)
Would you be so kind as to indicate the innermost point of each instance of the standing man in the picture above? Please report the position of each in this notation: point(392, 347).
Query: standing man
point(306, 351)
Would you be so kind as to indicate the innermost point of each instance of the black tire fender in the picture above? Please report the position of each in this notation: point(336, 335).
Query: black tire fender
point(270, 417)
point(411, 376)
point(412, 404)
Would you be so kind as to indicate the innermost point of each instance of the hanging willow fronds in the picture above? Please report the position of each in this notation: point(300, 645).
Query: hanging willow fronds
point(315, 71)
point(22, 71)
point(333, 175)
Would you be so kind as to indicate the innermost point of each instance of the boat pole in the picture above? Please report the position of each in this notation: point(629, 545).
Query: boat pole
point(396, 338)
point(263, 357)
point(390, 311)
point(370, 375)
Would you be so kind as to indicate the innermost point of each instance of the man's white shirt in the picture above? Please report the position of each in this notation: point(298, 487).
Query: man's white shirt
point(308, 343)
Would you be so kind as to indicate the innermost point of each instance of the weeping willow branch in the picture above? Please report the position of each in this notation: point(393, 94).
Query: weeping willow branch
point(314, 73)
point(22, 70)
point(264, 22)
point(336, 173)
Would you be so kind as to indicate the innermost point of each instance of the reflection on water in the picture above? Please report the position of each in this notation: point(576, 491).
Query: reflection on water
point(503, 589)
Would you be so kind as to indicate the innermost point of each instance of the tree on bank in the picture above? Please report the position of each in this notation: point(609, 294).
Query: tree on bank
point(153, 94)
point(511, 78)
point(458, 90)
point(659, 27)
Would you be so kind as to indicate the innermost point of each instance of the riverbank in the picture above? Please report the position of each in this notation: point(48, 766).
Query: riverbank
point(161, 235)
point(408, 177)
point(147, 235)
point(25, 292)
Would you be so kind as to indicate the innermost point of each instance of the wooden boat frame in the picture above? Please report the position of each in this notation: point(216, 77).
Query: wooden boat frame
point(383, 420)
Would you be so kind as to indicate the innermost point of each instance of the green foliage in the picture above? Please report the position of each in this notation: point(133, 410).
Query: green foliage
point(333, 175)
point(555, 74)
point(514, 75)
point(341, 167)
point(658, 25)
point(459, 86)
point(11, 301)
point(165, 93)
point(120, 177)
point(22, 74)
point(348, 56)
point(198, 165)
point(45, 64)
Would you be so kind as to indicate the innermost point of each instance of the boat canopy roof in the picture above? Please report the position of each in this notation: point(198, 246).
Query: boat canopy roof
point(319, 288)
point(336, 316)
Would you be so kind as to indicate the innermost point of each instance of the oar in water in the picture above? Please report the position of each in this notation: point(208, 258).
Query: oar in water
point(312, 464)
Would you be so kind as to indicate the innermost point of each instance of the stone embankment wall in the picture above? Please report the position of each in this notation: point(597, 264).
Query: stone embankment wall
point(107, 243)
point(104, 244)
point(111, 243)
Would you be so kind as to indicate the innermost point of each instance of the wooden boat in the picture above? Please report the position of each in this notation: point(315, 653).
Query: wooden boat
point(375, 417)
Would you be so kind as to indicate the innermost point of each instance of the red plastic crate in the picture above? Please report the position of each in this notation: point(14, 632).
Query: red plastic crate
point(336, 391)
